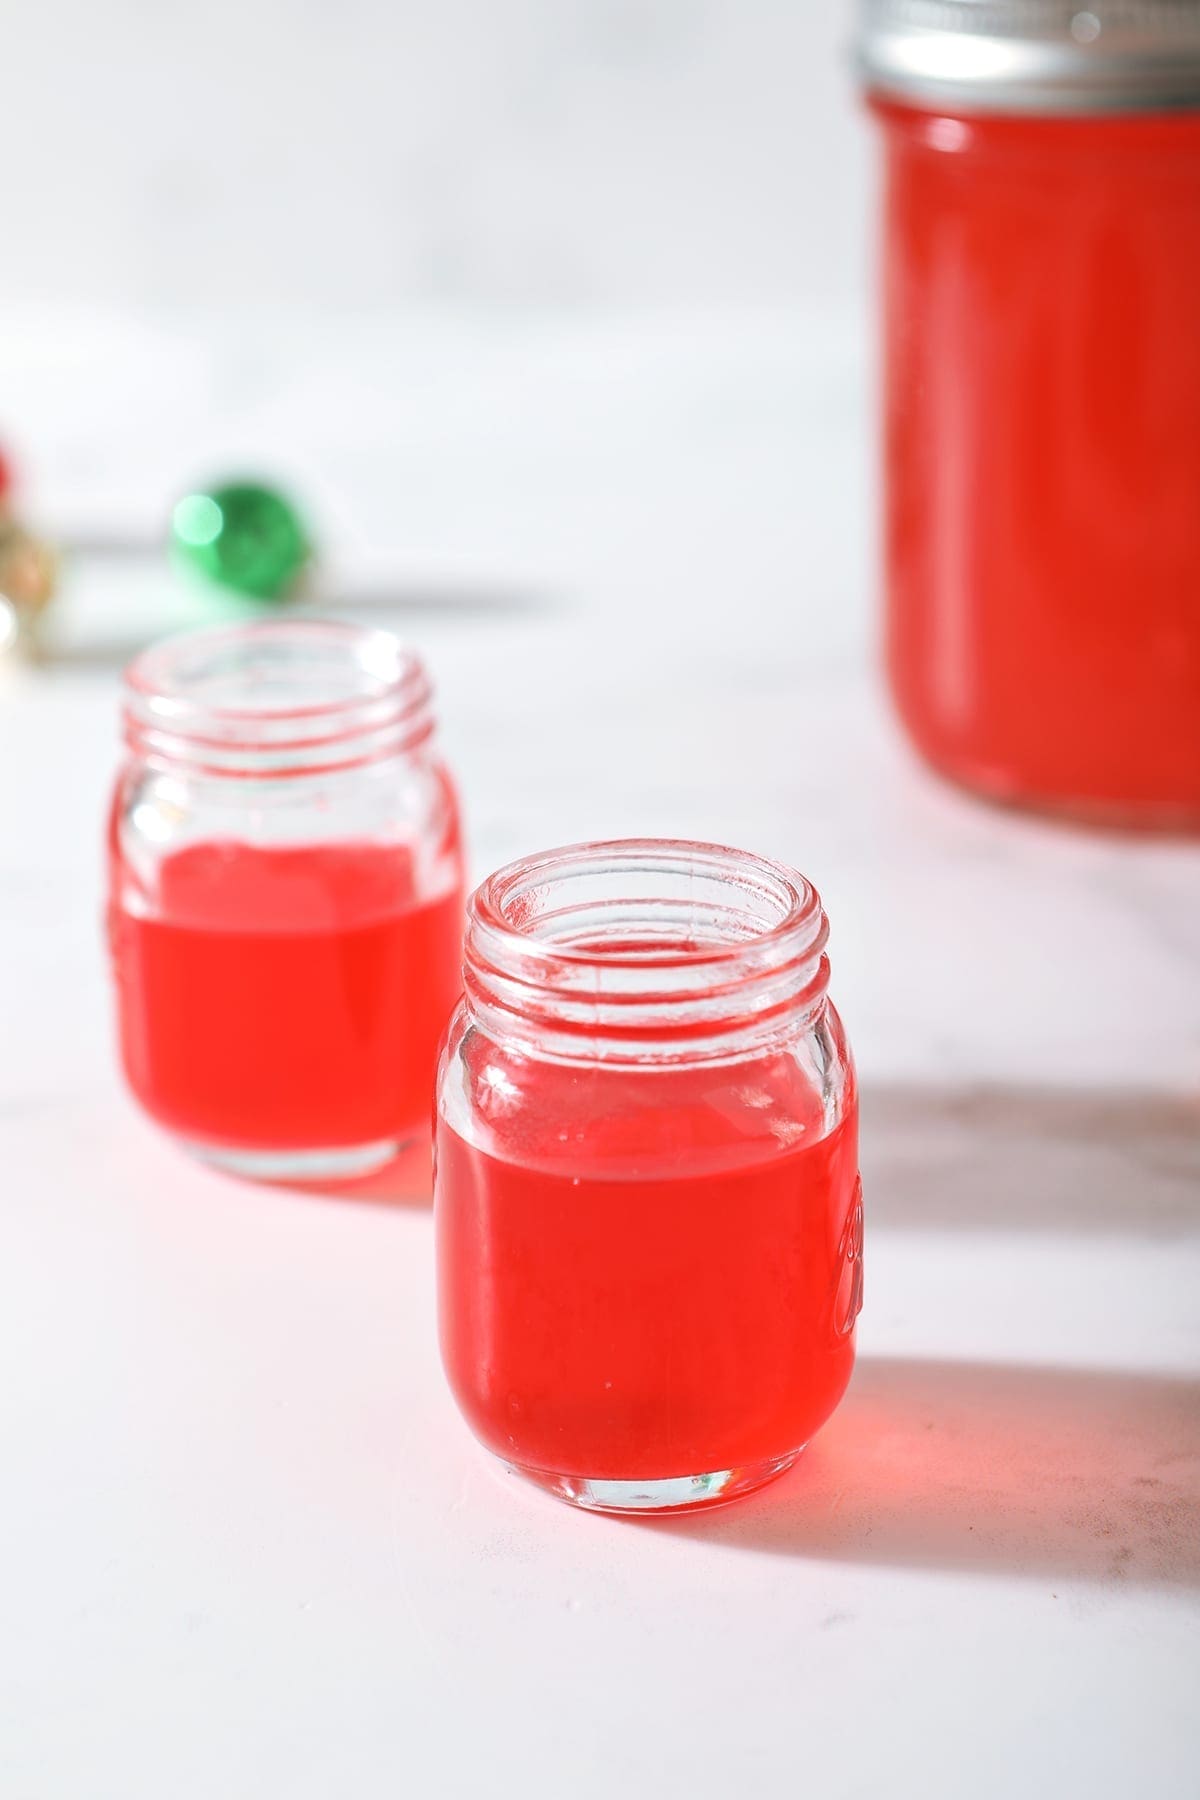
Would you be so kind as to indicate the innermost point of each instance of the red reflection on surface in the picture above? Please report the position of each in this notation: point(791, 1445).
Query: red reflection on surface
point(1091, 1474)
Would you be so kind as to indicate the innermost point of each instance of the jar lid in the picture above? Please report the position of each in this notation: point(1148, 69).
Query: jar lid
point(1033, 56)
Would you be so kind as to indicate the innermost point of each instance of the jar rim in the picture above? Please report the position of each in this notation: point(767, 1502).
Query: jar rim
point(653, 948)
point(157, 674)
point(799, 899)
point(276, 697)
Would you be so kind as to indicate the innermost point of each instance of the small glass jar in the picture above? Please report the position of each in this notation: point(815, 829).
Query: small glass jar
point(1041, 371)
point(285, 898)
point(647, 1206)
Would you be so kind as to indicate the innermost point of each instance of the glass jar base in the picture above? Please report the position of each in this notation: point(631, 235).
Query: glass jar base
point(1008, 793)
point(345, 1163)
point(668, 1494)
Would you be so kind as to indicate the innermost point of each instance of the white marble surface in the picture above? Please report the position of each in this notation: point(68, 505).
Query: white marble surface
point(248, 1547)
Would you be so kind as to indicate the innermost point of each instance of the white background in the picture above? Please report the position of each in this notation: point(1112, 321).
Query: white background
point(494, 153)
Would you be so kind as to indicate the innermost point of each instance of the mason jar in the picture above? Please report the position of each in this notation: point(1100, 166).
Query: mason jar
point(648, 1214)
point(1041, 396)
point(285, 896)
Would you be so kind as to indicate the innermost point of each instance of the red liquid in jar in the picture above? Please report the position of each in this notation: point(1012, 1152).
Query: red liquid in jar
point(1042, 401)
point(289, 998)
point(601, 1321)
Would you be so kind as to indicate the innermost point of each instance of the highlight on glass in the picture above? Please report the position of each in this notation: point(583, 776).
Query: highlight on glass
point(648, 1212)
point(285, 896)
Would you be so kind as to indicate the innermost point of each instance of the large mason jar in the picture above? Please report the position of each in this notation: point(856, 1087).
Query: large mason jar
point(1041, 395)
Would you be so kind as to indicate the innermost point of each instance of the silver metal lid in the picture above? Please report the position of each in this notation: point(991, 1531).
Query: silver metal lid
point(1033, 56)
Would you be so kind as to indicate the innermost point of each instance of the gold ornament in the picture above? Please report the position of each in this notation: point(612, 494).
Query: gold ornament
point(28, 570)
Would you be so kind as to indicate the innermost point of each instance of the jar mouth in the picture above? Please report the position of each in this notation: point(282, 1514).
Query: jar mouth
point(653, 948)
point(276, 697)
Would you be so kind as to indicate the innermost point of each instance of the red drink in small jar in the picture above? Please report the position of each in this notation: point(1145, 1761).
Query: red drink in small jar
point(1041, 363)
point(286, 997)
point(648, 1214)
point(285, 906)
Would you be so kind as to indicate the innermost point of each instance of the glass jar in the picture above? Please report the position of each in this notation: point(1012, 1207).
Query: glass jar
point(647, 1207)
point(285, 898)
point(1041, 396)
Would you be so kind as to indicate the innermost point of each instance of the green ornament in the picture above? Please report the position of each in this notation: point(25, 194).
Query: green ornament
point(244, 536)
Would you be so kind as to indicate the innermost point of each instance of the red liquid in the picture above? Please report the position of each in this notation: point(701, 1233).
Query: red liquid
point(657, 1287)
point(285, 999)
point(1042, 375)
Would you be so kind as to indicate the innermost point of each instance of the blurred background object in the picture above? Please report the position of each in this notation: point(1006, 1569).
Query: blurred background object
point(27, 576)
point(1041, 396)
point(243, 535)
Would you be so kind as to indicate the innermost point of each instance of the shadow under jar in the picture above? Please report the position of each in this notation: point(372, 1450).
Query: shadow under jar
point(647, 1206)
point(1041, 370)
point(285, 897)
